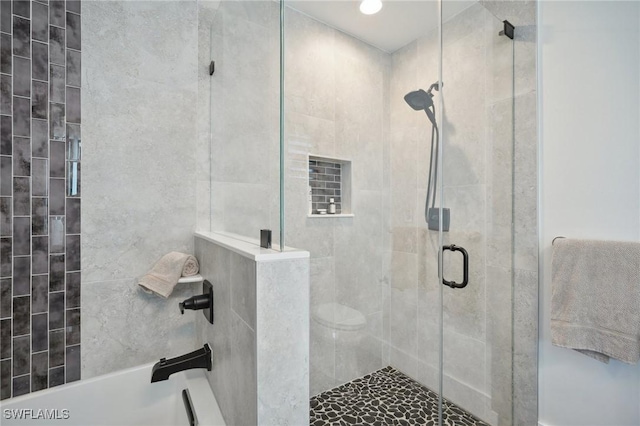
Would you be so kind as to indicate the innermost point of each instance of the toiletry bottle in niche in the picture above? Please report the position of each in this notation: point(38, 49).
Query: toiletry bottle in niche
point(332, 206)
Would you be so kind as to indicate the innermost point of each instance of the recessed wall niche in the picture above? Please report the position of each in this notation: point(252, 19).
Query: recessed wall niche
point(329, 179)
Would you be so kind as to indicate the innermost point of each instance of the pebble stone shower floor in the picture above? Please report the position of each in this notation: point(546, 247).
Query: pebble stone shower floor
point(385, 397)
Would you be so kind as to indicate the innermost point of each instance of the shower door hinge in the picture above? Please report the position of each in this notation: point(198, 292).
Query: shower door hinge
point(212, 67)
point(508, 30)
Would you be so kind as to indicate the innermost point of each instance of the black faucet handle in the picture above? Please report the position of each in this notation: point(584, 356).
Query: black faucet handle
point(199, 302)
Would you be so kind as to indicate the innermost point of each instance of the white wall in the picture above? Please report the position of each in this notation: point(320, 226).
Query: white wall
point(590, 81)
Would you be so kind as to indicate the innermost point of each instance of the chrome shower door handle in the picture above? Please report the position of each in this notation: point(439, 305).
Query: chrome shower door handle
point(465, 267)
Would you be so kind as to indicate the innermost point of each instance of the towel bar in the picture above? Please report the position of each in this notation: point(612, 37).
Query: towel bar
point(554, 240)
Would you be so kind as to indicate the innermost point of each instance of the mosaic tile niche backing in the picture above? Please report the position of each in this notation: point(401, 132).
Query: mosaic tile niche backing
point(325, 180)
point(39, 195)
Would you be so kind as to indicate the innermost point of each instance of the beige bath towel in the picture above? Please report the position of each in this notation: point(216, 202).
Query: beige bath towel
point(164, 275)
point(595, 300)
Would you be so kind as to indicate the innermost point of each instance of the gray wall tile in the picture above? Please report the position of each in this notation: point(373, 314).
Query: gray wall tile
point(21, 37)
point(39, 332)
point(5, 366)
point(6, 226)
point(56, 376)
point(21, 236)
point(57, 86)
point(73, 253)
point(73, 6)
point(21, 76)
point(21, 157)
point(21, 275)
point(40, 22)
point(21, 8)
point(56, 348)
point(73, 290)
point(39, 216)
point(73, 68)
point(21, 315)
point(21, 355)
point(6, 249)
point(40, 61)
point(56, 45)
point(40, 139)
point(73, 363)
point(40, 293)
point(56, 273)
point(21, 116)
point(21, 385)
point(243, 288)
point(56, 121)
point(73, 326)
point(21, 196)
point(5, 16)
point(5, 339)
point(57, 13)
point(39, 99)
point(5, 94)
point(56, 196)
point(73, 216)
point(39, 177)
point(57, 154)
point(39, 370)
point(73, 31)
point(6, 186)
point(5, 53)
point(39, 255)
point(73, 105)
point(6, 142)
point(5, 298)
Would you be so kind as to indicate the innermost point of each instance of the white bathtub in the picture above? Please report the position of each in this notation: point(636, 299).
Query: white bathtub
point(124, 398)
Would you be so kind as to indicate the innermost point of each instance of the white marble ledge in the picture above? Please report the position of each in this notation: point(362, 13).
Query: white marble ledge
point(250, 248)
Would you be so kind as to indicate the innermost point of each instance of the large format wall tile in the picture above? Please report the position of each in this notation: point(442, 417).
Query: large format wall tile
point(139, 100)
point(261, 312)
point(122, 326)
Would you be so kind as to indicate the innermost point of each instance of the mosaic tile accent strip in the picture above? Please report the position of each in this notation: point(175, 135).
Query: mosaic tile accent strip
point(39, 195)
point(325, 180)
point(385, 397)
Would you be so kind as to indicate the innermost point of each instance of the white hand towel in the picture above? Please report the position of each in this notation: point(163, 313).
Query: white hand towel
point(595, 300)
point(164, 275)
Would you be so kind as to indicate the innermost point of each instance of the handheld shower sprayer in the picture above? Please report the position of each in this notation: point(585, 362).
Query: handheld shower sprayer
point(420, 100)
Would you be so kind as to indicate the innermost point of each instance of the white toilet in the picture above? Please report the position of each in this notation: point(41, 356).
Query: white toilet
point(344, 325)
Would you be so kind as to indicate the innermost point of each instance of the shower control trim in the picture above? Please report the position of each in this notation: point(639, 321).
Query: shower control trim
point(465, 267)
point(203, 302)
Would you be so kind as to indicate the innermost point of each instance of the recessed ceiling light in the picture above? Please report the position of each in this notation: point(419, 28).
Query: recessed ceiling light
point(369, 7)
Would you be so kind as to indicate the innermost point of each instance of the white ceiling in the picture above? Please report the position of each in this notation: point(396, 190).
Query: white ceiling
point(396, 25)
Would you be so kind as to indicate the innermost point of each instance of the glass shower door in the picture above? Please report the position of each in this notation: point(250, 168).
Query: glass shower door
point(474, 211)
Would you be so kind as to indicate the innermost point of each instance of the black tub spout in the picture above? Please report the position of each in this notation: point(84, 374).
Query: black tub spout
point(200, 358)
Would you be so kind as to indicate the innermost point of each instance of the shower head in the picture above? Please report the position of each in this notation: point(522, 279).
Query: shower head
point(419, 99)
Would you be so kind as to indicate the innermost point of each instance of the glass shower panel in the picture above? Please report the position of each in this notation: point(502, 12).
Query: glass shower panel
point(383, 166)
point(245, 119)
point(477, 190)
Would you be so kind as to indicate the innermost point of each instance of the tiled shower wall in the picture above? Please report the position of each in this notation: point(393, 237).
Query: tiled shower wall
point(40, 225)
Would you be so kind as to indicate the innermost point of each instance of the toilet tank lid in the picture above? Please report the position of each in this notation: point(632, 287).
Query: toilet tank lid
point(339, 316)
